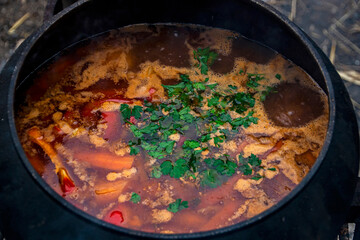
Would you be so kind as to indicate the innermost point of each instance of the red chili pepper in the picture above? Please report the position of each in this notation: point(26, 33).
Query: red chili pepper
point(58, 130)
point(66, 184)
point(132, 120)
point(116, 217)
point(151, 92)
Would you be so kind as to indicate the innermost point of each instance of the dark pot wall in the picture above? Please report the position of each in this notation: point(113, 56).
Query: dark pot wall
point(315, 210)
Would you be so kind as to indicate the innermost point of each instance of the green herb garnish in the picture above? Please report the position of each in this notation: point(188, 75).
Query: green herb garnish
point(135, 198)
point(177, 205)
point(205, 58)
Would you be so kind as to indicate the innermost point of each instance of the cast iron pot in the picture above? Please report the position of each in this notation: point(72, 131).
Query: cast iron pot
point(315, 209)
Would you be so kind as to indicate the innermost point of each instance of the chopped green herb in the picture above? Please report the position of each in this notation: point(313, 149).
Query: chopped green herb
point(156, 172)
point(205, 138)
point(244, 121)
point(180, 168)
point(134, 150)
point(177, 205)
point(191, 144)
point(210, 178)
point(135, 198)
point(272, 169)
point(278, 76)
point(257, 177)
point(254, 161)
point(253, 80)
point(125, 111)
point(233, 87)
point(205, 58)
point(136, 112)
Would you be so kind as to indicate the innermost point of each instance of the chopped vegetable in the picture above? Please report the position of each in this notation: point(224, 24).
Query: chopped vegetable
point(135, 198)
point(177, 205)
point(105, 160)
point(205, 58)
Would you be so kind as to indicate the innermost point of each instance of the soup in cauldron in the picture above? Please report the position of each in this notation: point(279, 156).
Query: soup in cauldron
point(172, 128)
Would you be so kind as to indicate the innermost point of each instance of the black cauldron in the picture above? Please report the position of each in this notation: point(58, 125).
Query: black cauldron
point(317, 207)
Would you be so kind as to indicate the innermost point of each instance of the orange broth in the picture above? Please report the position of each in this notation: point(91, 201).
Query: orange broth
point(172, 128)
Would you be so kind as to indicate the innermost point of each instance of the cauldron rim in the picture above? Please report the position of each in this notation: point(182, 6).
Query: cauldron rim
point(294, 29)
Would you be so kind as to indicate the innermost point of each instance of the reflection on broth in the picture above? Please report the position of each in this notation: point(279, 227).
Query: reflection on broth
point(172, 128)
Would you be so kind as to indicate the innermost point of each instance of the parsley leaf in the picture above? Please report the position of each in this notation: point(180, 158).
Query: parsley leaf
point(180, 168)
point(173, 90)
point(136, 112)
point(135, 198)
point(156, 172)
point(257, 177)
point(177, 205)
point(225, 167)
point(191, 144)
point(210, 178)
point(166, 167)
point(253, 80)
point(244, 121)
point(254, 161)
point(205, 58)
point(134, 150)
point(125, 111)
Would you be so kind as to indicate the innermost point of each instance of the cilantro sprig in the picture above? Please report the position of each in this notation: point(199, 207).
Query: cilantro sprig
point(135, 198)
point(127, 111)
point(250, 165)
point(177, 205)
point(205, 58)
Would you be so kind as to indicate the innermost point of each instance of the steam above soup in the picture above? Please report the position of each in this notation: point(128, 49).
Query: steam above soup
point(172, 128)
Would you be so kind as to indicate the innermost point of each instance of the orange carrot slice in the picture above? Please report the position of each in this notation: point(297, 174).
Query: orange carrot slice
point(37, 137)
point(105, 160)
point(66, 183)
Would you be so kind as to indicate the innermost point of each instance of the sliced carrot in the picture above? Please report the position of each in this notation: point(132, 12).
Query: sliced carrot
point(105, 160)
point(109, 191)
point(37, 137)
point(66, 183)
point(221, 216)
point(110, 187)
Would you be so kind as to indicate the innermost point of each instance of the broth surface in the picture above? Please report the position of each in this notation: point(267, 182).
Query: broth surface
point(172, 128)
